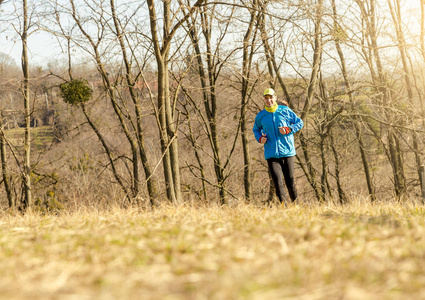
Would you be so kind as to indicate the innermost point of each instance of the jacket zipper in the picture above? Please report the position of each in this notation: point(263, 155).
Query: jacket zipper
point(276, 135)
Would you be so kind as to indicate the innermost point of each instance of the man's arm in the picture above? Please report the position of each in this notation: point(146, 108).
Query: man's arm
point(296, 122)
point(257, 129)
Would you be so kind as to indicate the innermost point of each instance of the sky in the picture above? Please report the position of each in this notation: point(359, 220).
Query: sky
point(43, 48)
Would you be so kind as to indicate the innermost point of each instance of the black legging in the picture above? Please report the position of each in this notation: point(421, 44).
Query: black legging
point(281, 168)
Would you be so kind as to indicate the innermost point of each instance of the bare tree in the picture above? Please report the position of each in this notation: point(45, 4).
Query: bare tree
point(248, 52)
point(362, 147)
point(309, 169)
point(401, 44)
point(209, 73)
point(368, 14)
point(26, 93)
point(169, 142)
point(130, 121)
point(151, 182)
point(111, 93)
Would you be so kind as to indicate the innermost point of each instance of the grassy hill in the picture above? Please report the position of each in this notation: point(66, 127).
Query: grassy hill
point(359, 251)
point(41, 137)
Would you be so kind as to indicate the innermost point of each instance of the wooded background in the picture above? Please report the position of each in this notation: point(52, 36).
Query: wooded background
point(164, 96)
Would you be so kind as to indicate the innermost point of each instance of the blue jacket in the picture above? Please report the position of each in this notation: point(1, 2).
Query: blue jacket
point(277, 145)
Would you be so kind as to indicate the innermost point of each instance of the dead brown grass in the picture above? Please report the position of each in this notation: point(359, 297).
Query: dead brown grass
point(359, 251)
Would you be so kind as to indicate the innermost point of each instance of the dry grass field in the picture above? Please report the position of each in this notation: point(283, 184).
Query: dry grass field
point(358, 251)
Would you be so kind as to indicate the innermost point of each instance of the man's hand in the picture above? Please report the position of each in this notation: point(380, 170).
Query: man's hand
point(263, 139)
point(285, 130)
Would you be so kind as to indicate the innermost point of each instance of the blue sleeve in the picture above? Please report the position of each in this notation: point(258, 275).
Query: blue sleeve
point(257, 128)
point(296, 122)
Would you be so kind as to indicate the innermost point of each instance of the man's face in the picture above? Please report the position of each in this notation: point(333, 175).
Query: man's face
point(269, 100)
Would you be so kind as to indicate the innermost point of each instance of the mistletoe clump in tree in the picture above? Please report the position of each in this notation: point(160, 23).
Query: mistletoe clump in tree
point(76, 91)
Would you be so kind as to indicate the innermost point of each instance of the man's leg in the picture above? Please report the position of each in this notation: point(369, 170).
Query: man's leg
point(288, 173)
point(275, 169)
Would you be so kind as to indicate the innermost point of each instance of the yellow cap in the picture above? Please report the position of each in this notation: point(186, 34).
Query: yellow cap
point(269, 91)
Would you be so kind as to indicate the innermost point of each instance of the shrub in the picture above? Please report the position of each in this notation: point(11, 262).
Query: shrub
point(49, 203)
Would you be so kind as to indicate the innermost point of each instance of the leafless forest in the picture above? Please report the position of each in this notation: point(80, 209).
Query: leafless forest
point(154, 101)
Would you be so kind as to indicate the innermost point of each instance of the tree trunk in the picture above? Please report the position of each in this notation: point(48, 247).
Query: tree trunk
point(310, 96)
point(212, 115)
point(381, 84)
point(342, 196)
point(172, 134)
point(396, 16)
point(357, 128)
point(5, 171)
point(324, 176)
point(210, 102)
point(394, 154)
point(246, 68)
point(166, 162)
point(169, 143)
point(26, 93)
point(151, 181)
